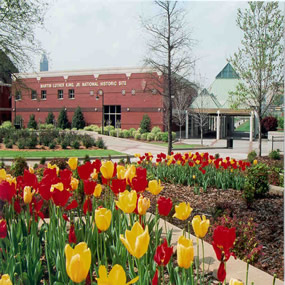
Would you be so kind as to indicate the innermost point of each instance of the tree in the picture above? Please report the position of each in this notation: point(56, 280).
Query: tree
point(259, 61)
point(18, 22)
point(50, 118)
point(62, 120)
point(145, 124)
point(169, 50)
point(78, 121)
point(32, 124)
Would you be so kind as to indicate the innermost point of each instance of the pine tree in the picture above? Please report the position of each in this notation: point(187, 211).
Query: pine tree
point(62, 121)
point(32, 124)
point(78, 121)
point(145, 124)
point(50, 118)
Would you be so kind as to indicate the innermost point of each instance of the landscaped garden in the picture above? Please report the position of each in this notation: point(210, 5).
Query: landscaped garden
point(64, 222)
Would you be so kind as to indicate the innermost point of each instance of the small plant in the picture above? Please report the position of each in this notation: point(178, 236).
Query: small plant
point(113, 133)
point(75, 144)
point(18, 166)
point(275, 154)
point(88, 141)
point(150, 137)
point(52, 145)
point(32, 124)
point(281, 122)
point(217, 155)
point(155, 130)
point(145, 124)
point(43, 160)
point(100, 143)
point(8, 143)
point(78, 121)
point(32, 141)
point(144, 136)
point(86, 159)
point(251, 156)
point(126, 134)
point(164, 137)
point(60, 162)
point(7, 125)
point(132, 131)
point(21, 143)
point(64, 144)
point(137, 136)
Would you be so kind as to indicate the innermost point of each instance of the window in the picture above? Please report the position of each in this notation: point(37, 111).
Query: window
point(43, 94)
point(18, 95)
point(60, 94)
point(71, 94)
point(91, 92)
point(123, 92)
point(34, 95)
point(133, 92)
point(112, 115)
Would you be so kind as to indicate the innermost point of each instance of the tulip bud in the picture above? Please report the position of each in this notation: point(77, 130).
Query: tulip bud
point(28, 194)
point(143, 205)
point(185, 252)
point(72, 162)
point(103, 218)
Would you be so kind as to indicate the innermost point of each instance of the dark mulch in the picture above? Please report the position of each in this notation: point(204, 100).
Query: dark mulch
point(266, 212)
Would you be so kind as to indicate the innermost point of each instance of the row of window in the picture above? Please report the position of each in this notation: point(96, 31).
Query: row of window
point(71, 94)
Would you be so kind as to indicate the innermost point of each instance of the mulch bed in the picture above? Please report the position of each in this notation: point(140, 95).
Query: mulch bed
point(266, 212)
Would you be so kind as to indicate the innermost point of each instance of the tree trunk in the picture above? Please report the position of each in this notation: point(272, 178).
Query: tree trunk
point(180, 132)
point(201, 135)
point(259, 136)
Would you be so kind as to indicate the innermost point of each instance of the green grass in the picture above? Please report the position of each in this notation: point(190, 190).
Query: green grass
point(177, 146)
point(243, 127)
point(59, 153)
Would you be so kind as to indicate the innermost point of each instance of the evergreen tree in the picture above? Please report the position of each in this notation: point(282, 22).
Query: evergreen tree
point(50, 118)
point(145, 124)
point(32, 124)
point(78, 121)
point(62, 121)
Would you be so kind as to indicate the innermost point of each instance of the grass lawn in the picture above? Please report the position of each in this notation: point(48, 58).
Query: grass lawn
point(58, 153)
point(177, 146)
point(243, 127)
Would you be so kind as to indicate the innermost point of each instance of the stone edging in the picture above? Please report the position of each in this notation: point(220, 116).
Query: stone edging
point(276, 190)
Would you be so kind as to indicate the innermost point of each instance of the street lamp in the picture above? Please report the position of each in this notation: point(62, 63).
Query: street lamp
point(100, 92)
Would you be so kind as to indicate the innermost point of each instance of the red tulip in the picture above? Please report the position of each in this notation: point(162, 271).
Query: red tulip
point(96, 164)
point(87, 206)
point(89, 187)
point(221, 274)
point(155, 278)
point(7, 191)
point(3, 229)
point(17, 206)
point(72, 236)
point(223, 241)
point(60, 198)
point(65, 176)
point(118, 185)
point(72, 205)
point(85, 170)
point(65, 217)
point(35, 208)
point(163, 254)
point(139, 183)
point(164, 205)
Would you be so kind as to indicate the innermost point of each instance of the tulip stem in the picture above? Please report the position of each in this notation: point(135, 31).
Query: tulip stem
point(47, 259)
point(192, 275)
point(197, 260)
point(203, 253)
point(162, 274)
point(246, 277)
point(97, 244)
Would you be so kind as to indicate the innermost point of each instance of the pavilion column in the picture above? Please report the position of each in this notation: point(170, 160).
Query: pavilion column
point(192, 127)
point(251, 126)
point(186, 125)
point(218, 125)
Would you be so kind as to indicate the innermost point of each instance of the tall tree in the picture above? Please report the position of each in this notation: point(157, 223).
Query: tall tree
point(18, 21)
point(260, 60)
point(169, 50)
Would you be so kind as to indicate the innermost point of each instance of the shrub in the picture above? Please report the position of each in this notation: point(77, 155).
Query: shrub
point(173, 136)
point(32, 141)
point(43, 160)
point(32, 124)
point(78, 121)
point(75, 144)
point(8, 143)
point(7, 125)
point(93, 128)
point(150, 137)
point(18, 166)
point(145, 124)
point(126, 134)
point(60, 162)
point(86, 159)
point(251, 156)
point(275, 154)
point(137, 136)
point(50, 118)
point(268, 124)
point(88, 141)
point(18, 121)
point(144, 136)
point(246, 246)
point(113, 133)
point(121, 134)
point(64, 144)
point(256, 182)
point(21, 143)
point(100, 143)
point(164, 137)
point(62, 120)
point(45, 138)
point(45, 126)
point(132, 132)
point(155, 130)
point(281, 122)
point(52, 145)
point(158, 136)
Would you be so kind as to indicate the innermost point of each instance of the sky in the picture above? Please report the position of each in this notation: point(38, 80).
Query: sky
point(91, 34)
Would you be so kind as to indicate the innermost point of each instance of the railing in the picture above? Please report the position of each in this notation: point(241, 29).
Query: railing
point(277, 142)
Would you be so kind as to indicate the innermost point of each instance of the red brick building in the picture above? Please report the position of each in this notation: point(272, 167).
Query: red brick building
point(125, 95)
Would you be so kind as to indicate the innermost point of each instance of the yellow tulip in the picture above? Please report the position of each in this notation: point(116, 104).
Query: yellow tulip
point(5, 280)
point(31, 170)
point(154, 187)
point(107, 169)
point(182, 211)
point(74, 183)
point(137, 155)
point(78, 261)
point(200, 227)
point(121, 171)
point(235, 282)
point(53, 166)
point(117, 276)
point(103, 218)
point(194, 177)
point(98, 190)
point(255, 162)
point(58, 186)
point(143, 205)
point(72, 162)
point(136, 240)
point(185, 252)
point(2, 174)
point(28, 194)
point(130, 173)
point(11, 179)
point(94, 174)
point(127, 201)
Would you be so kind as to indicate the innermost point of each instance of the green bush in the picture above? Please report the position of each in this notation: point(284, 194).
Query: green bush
point(21, 143)
point(18, 166)
point(88, 141)
point(45, 126)
point(93, 128)
point(281, 122)
point(251, 156)
point(132, 132)
point(137, 136)
point(164, 137)
point(60, 162)
point(9, 144)
point(100, 143)
point(64, 144)
point(62, 120)
point(158, 136)
point(42, 160)
point(52, 145)
point(32, 141)
point(113, 133)
point(150, 137)
point(121, 134)
point(50, 118)
point(32, 124)
point(7, 125)
point(144, 136)
point(45, 138)
point(78, 121)
point(145, 124)
point(173, 136)
point(155, 130)
point(75, 144)
point(126, 134)
point(275, 154)
point(256, 182)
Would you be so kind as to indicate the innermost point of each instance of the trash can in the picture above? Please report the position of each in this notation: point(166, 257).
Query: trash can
point(230, 142)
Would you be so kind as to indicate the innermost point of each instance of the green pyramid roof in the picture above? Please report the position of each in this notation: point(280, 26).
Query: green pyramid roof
point(227, 73)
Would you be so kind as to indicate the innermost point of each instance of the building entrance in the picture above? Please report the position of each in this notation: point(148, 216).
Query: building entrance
point(112, 115)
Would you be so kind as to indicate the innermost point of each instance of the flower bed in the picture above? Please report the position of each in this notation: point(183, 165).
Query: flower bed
point(108, 229)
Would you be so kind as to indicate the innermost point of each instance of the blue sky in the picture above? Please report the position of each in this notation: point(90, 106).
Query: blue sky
point(89, 34)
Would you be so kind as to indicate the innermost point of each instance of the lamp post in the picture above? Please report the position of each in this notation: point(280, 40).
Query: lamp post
point(100, 92)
